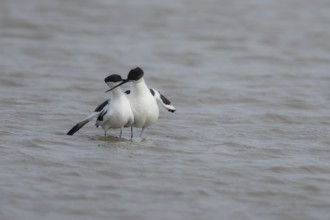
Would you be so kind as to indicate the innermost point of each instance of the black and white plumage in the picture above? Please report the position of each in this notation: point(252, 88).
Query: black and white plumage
point(113, 113)
point(143, 100)
point(160, 98)
point(98, 110)
point(163, 100)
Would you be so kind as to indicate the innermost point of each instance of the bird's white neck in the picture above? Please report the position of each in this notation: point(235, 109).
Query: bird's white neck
point(117, 91)
point(139, 87)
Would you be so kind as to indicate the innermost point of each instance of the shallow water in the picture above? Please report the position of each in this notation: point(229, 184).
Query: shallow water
point(250, 138)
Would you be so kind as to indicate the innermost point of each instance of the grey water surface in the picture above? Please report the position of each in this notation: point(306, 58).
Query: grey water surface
point(251, 136)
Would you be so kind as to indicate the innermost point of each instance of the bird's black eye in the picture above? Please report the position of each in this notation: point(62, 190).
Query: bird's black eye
point(113, 78)
point(135, 74)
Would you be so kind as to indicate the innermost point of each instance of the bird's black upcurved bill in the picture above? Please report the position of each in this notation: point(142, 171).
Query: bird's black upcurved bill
point(123, 82)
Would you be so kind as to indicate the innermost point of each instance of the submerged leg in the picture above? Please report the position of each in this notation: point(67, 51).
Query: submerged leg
point(142, 131)
point(120, 133)
point(131, 132)
point(105, 133)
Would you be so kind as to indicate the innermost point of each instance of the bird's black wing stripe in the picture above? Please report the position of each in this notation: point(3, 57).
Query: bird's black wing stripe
point(100, 117)
point(152, 92)
point(165, 100)
point(77, 127)
point(101, 106)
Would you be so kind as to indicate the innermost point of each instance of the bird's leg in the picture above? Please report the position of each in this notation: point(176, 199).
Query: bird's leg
point(105, 133)
point(131, 132)
point(120, 133)
point(142, 131)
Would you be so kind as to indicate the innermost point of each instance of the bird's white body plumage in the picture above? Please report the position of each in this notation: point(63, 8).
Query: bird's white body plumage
point(143, 104)
point(119, 113)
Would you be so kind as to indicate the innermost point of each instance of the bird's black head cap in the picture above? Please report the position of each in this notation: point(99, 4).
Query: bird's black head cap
point(113, 78)
point(135, 74)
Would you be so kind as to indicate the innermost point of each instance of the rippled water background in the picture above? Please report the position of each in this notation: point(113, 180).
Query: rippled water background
point(250, 138)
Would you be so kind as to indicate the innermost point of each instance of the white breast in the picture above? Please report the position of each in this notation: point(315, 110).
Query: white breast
point(143, 104)
point(119, 113)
